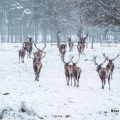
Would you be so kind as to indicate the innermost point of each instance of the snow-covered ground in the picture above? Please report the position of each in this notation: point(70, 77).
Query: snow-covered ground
point(22, 98)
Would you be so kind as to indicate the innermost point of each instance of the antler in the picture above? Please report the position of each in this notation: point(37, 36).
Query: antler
point(85, 37)
point(44, 55)
point(94, 60)
point(69, 60)
point(77, 60)
point(112, 58)
point(105, 56)
point(116, 57)
point(38, 48)
point(103, 62)
point(44, 47)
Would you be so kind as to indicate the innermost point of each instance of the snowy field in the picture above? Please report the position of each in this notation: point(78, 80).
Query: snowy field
point(22, 98)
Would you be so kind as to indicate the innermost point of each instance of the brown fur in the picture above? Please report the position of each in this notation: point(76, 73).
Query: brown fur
point(110, 63)
point(81, 44)
point(76, 72)
point(37, 65)
point(62, 50)
point(28, 46)
point(104, 73)
point(22, 53)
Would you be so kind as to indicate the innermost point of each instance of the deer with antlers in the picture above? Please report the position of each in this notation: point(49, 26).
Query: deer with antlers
point(22, 53)
point(37, 65)
point(81, 44)
point(76, 72)
point(62, 50)
point(110, 63)
point(72, 71)
point(104, 73)
point(68, 70)
point(28, 46)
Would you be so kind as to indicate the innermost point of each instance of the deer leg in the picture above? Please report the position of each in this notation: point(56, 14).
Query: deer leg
point(78, 80)
point(22, 59)
point(40, 69)
point(36, 79)
point(67, 80)
point(71, 80)
point(109, 81)
point(111, 75)
point(74, 82)
point(35, 76)
point(102, 84)
point(35, 72)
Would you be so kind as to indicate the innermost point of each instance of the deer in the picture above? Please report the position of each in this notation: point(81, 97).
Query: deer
point(81, 44)
point(104, 73)
point(68, 70)
point(110, 63)
point(70, 44)
point(79, 47)
point(28, 46)
point(62, 50)
point(22, 53)
point(76, 72)
point(37, 65)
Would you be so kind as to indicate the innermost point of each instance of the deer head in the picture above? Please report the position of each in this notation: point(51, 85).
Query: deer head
point(67, 63)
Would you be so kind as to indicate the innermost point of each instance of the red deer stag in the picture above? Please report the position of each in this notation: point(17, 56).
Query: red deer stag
point(68, 70)
point(28, 46)
point(76, 73)
point(22, 53)
point(62, 50)
point(104, 73)
point(37, 65)
point(81, 44)
point(110, 63)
